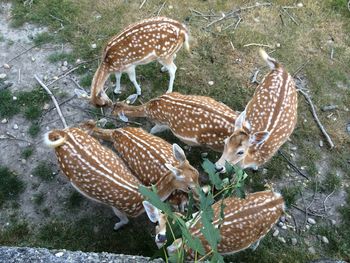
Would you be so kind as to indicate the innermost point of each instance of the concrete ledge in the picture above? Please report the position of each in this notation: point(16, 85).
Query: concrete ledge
point(43, 255)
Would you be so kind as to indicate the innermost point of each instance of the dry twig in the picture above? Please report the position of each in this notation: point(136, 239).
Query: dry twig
point(23, 52)
point(325, 200)
point(257, 45)
point(53, 99)
point(314, 114)
point(295, 168)
point(143, 2)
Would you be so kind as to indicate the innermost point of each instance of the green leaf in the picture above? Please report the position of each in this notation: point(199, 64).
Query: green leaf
point(206, 201)
point(190, 205)
point(177, 257)
point(211, 234)
point(154, 199)
point(192, 242)
point(208, 166)
point(217, 258)
point(230, 169)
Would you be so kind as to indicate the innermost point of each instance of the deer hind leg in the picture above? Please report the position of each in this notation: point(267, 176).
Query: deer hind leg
point(123, 219)
point(98, 95)
point(132, 76)
point(169, 65)
point(118, 76)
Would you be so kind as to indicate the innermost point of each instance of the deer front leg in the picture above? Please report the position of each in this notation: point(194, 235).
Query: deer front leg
point(118, 76)
point(123, 219)
point(132, 76)
point(168, 64)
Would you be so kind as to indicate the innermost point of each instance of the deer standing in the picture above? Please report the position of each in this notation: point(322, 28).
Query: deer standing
point(195, 120)
point(267, 121)
point(149, 157)
point(99, 174)
point(246, 222)
point(157, 38)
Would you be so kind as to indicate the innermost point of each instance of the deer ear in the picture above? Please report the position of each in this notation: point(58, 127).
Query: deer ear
point(152, 212)
point(259, 137)
point(179, 153)
point(175, 171)
point(240, 120)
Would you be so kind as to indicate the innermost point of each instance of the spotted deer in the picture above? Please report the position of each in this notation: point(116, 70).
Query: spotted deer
point(149, 157)
point(195, 120)
point(99, 174)
point(245, 223)
point(267, 121)
point(157, 38)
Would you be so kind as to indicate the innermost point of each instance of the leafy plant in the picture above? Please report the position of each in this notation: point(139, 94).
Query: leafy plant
point(222, 186)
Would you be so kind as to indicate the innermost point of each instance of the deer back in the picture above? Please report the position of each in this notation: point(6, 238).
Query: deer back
point(145, 41)
point(95, 170)
point(196, 120)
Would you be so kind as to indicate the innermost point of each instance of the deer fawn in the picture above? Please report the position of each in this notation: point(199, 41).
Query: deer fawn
point(246, 222)
point(99, 174)
point(267, 121)
point(157, 38)
point(195, 120)
point(149, 157)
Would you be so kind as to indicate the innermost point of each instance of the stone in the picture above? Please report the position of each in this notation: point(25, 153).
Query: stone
point(307, 227)
point(15, 127)
point(32, 59)
point(311, 221)
point(294, 241)
point(6, 66)
point(282, 239)
point(283, 219)
point(24, 161)
point(65, 63)
point(333, 222)
point(275, 234)
point(46, 106)
point(278, 45)
point(64, 68)
point(312, 250)
point(348, 127)
point(93, 46)
point(325, 240)
point(210, 83)
point(280, 224)
point(59, 254)
point(171, 7)
point(3, 121)
point(300, 5)
point(321, 143)
point(14, 98)
point(293, 148)
point(284, 227)
point(3, 75)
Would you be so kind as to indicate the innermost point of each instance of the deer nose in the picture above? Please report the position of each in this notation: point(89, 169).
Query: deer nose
point(161, 238)
point(220, 169)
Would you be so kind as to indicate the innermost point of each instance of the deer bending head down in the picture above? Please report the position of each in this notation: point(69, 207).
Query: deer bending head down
point(157, 38)
point(195, 120)
point(246, 222)
point(267, 121)
point(149, 157)
point(99, 174)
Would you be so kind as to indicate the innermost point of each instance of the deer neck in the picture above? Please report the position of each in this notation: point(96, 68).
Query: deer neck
point(104, 134)
point(165, 186)
point(131, 111)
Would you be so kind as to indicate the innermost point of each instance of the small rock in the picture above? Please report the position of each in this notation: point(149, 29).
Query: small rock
point(275, 234)
point(325, 240)
point(3, 121)
point(210, 83)
point(46, 106)
point(312, 250)
point(264, 171)
point(278, 45)
point(348, 127)
point(24, 161)
point(282, 239)
point(283, 219)
point(300, 5)
point(6, 66)
point(280, 224)
point(33, 59)
point(311, 221)
point(64, 68)
point(59, 254)
point(294, 241)
point(78, 61)
point(333, 222)
point(55, 78)
point(284, 227)
point(307, 227)
point(45, 78)
point(15, 127)
point(14, 98)
point(293, 148)
point(65, 63)
point(93, 46)
point(171, 7)
point(321, 143)
point(3, 75)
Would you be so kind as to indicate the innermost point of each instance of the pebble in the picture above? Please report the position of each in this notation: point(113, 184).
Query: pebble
point(275, 234)
point(14, 98)
point(46, 106)
point(325, 240)
point(171, 7)
point(280, 224)
point(33, 59)
point(264, 171)
point(293, 148)
point(64, 68)
point(210, 83)
point(294, 241)
point(65, 63)
point(307, 227)
point(78, 61)
point(278, 45)
point(283, 219)
point(300, 5)
point(24, 161)
point(321, 143)
point(312, 250)
point(15, 127)
point(311, 221)
point(333, 222)
point(6, 66)
point(93, 46)
point(59, 254)
point(281, 239)
point(3, 121)
point(3, 75)
point(284, 227)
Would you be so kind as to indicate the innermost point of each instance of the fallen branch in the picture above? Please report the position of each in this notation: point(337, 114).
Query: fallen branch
point(53, 99)
point(314, 114)
point(257, 45)
point(309, 212)
point(14, 138)
point(143, 2)
point(300, 68)
point(23, 52)
point(325, 200)
point(293, 165)
point(160, 9)
point(291, 17)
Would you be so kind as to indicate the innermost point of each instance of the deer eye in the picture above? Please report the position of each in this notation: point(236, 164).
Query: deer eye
point(240, 152)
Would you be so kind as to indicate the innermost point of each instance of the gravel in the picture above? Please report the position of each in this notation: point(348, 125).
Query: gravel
point(26, 254)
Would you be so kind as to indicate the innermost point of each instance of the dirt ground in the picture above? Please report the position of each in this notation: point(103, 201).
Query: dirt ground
point(15, 139)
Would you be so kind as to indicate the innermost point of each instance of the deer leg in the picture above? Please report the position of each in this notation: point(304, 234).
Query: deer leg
point(171, 68)
point(123, 219)
point(118, 76)
point(255, 245)
point(158, 128)
point(132, 76)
